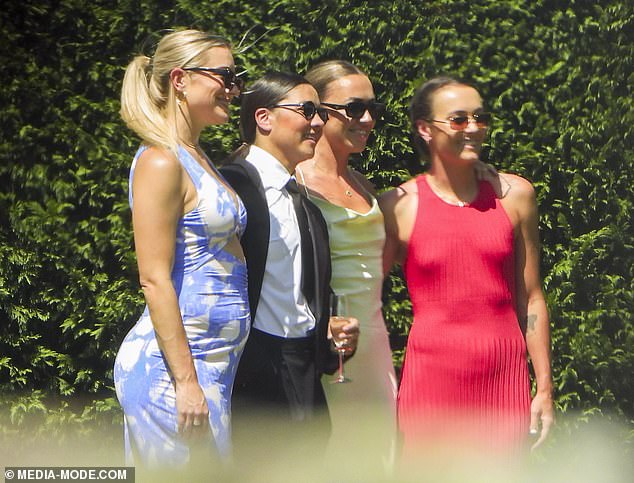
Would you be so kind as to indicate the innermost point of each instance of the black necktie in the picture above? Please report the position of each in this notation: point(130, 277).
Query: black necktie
point(308, 264)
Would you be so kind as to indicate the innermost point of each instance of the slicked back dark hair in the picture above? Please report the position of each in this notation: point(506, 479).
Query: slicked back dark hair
point(270, 89)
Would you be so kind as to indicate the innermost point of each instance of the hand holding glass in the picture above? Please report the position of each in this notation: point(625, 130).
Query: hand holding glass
point(337, 324)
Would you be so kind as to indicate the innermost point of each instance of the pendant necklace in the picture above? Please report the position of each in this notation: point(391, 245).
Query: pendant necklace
point(455, 201)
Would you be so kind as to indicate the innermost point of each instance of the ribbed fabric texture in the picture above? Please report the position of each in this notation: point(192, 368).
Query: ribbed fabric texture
point(465, 375)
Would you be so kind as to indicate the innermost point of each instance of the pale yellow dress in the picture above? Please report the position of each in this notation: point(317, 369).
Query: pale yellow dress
point(363, 412)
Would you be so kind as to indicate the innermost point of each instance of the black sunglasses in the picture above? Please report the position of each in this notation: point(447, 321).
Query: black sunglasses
point(307, 109)
point(356, 109)
point(460, 123)
point(229, 78)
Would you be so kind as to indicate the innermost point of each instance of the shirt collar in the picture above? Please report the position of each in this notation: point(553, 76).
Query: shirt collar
point(272, 172)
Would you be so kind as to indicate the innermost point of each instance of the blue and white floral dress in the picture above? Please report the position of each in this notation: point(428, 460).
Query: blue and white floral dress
point(211, 286)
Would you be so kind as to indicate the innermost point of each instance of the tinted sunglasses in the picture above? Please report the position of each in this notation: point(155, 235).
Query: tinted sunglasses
point(308, 109)
point(229, 78)
point(460, 123)
point(356, 109)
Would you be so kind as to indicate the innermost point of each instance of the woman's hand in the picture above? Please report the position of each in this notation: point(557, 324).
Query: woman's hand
point(348, 332)
point(499, 181)
point(542, 411)
point(191, 408)
point(485, 171)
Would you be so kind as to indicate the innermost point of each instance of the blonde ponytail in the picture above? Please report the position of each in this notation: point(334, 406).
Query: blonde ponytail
point(148, 99)
point(143, 105)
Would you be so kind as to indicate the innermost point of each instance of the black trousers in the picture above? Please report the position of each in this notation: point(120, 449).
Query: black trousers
point(278, 391)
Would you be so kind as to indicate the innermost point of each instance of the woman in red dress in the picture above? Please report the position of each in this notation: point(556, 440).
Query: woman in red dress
point(470, 254)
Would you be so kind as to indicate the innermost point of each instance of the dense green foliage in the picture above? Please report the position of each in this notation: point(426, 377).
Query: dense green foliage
point(558, 75)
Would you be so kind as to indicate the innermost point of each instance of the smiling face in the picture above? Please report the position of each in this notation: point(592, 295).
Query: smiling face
point(290, 137)
point(346, 135)
point(207, 99)
point(444, 142)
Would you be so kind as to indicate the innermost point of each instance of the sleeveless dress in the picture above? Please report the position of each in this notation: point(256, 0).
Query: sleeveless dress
point(211, 285)
point(363, 412)
point(465, 376)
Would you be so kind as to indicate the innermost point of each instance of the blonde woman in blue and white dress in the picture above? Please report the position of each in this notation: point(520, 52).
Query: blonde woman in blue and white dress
point(363, 412)
point(175, 369)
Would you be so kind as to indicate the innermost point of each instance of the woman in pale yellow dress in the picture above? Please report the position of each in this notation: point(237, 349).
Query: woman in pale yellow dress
point(363, 412)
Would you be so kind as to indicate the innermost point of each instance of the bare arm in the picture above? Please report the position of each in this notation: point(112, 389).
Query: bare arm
point(387, 202)
point(159, 193)
point(531, 305)
point(399, 207)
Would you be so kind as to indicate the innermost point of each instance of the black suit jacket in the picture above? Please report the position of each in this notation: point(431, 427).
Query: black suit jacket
point(246, 181)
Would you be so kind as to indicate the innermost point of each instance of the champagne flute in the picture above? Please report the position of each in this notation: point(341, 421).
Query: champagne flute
point(337, 323)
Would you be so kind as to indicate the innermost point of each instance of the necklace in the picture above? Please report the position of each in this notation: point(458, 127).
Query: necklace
point(451, 200)
point(347, 191)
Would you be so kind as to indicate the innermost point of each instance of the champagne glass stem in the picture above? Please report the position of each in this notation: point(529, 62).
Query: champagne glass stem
point(341, 377)
point(340, 308)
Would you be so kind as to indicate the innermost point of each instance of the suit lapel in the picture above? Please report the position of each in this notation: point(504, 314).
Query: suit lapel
point(321, 255)
point(326, 360)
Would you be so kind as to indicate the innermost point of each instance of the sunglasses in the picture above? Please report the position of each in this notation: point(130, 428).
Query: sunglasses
point(460, 123)
point(307, 109)
point(229, 78)
point(356, 109)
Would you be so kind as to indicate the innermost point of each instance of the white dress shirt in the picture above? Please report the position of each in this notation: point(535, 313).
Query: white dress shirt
point(282, 309)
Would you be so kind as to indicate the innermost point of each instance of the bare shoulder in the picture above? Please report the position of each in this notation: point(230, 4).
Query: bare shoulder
point(158, 161)
point(516, 187)
point(401, 192)
point(519, 198)
point(156, 166)
point(158, 157)
point(409, 187)
point(400, 199)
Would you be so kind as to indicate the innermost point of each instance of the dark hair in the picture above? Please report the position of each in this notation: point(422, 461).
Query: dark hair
point(420, 106)
point(266, 91)
point(322, 74)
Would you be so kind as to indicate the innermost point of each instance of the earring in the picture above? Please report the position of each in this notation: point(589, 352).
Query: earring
point(181, 96)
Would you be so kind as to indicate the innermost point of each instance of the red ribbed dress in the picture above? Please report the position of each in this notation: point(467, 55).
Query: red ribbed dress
point(465, 375)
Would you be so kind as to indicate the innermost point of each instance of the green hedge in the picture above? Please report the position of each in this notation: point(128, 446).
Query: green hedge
point(558, 76)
